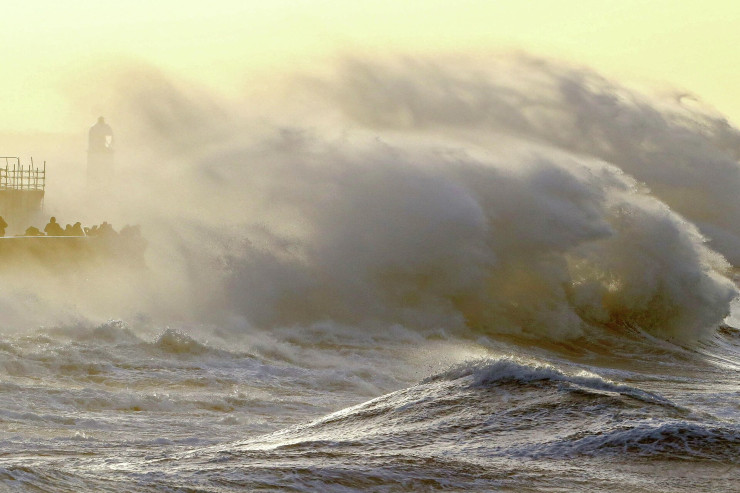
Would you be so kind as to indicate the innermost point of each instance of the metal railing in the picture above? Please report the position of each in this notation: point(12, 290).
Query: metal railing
point(14, 176)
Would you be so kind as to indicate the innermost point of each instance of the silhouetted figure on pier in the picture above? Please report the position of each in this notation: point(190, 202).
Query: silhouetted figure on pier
point(106, 230)
point(3, 225)
point(77, 230)
point(33, 231)
point(53, 228)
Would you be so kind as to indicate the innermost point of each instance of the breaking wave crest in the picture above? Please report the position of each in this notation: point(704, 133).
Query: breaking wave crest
point(510, 410)
point(172, 341)
point(537, 244)
point(488, 372)
point(515, 196)
point(542, 207)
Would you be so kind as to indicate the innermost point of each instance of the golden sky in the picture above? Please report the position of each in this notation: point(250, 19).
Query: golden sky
point(46, 44)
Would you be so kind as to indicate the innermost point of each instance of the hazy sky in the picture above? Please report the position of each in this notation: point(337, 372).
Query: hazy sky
point(49, 45)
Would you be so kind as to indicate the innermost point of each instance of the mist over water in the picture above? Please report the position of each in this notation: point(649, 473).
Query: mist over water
point(512, 196)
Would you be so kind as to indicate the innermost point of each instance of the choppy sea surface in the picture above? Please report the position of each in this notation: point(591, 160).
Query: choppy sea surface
point(414, 275)
point(321, 408)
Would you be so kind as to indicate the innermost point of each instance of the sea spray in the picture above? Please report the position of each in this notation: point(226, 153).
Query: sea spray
point(514, 196)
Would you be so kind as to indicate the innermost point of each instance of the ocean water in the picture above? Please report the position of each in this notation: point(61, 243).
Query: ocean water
point(517, 277)
point(319, 409)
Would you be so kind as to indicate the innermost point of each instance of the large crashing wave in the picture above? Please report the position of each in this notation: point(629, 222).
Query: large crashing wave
point(539, 243)
point(519, 196)
point(685, 152)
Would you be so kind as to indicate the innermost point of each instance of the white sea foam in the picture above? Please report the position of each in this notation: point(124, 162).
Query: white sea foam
point(542, 233)
point(431, 194)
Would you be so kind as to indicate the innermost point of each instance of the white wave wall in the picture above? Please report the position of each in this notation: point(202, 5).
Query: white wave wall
point(538, 243)
point(512, 196)
point(686, 152)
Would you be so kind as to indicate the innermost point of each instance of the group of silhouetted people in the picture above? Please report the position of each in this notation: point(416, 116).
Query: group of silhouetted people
point(55, 229)
point(126, 246)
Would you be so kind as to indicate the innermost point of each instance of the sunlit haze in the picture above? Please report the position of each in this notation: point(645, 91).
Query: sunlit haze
point(370, 245)
point(48, 46)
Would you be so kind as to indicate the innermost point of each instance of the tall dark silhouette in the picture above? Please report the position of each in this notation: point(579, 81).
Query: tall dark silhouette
point(100, 137)
point(100, 154)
